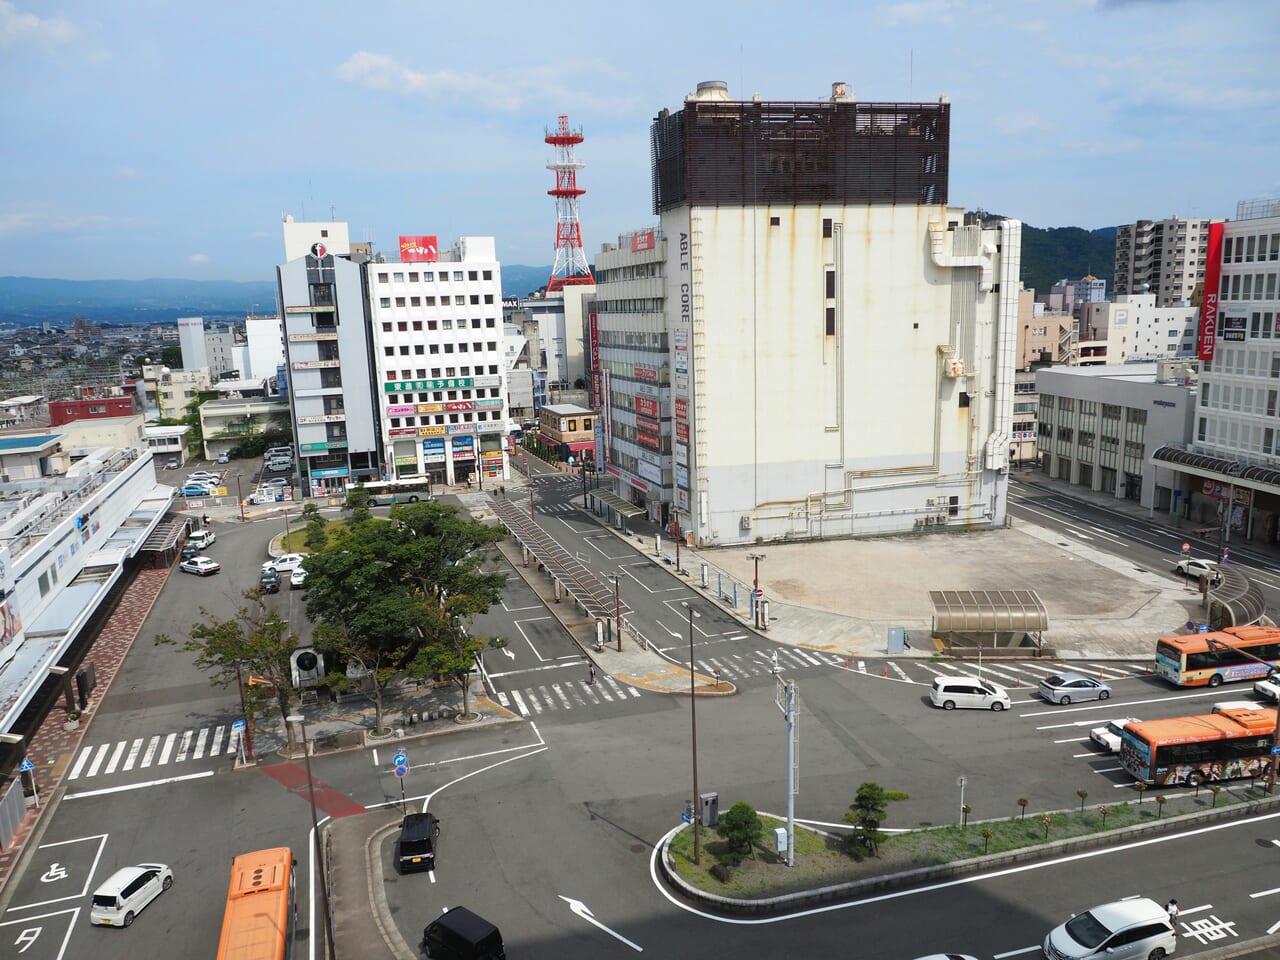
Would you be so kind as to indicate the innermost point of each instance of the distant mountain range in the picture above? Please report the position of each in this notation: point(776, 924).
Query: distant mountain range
point(1047, 257)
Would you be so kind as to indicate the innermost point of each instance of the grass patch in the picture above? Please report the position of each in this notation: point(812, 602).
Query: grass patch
point(821, 859)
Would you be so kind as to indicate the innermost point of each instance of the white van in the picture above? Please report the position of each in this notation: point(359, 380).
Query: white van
point(278, 453)
point(279, 463)
point(1135, 929)
point(126, 892)
point(202, 538)
point(968, 692)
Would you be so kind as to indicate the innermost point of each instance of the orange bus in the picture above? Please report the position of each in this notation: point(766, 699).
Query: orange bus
point(1188, 660)
point(1227, 745)
point(261, 912)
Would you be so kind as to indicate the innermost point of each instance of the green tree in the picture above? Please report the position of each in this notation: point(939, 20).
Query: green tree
point(171, 357)
point(358, 504)
point(741, 829)
point(396, 597)
point(867, 812)
point(259, 642)
point(316, 537)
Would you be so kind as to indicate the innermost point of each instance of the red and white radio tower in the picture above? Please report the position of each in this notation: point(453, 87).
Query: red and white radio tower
point(570, 267)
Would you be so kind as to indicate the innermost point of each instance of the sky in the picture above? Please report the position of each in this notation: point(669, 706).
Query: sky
point(167, 140)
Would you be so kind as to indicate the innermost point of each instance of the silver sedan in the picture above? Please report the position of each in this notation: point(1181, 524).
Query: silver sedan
point(1066, 687)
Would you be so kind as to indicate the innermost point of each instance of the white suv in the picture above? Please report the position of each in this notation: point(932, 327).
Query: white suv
point(1136, 929)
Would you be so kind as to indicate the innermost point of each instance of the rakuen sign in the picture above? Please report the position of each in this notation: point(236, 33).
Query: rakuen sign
point(1209, 310)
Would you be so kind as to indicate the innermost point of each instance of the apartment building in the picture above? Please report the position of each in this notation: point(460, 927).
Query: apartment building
point(1165, 258)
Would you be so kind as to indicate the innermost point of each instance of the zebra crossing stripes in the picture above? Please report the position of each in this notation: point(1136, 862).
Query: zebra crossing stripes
point(563, 696)
point(141, 753)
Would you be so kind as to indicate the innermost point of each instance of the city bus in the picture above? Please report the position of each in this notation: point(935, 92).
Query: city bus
point(1189, 660)
point(1226, 745)
point(261, 913)
point(385, 492)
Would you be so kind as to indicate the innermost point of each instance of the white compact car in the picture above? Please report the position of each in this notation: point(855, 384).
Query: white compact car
point(1108, 735)
point(126, 892)
point(200, 566)
point(285, 564)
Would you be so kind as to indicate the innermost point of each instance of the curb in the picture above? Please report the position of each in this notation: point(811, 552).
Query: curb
point(919, 875)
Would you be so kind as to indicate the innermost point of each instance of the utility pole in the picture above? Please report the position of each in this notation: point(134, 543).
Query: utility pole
point(693, 721)
point(785, 698)
point(617, 609)
point(756, 596)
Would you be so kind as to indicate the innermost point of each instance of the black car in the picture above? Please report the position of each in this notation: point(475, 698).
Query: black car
point(189, 550)
point(269, 581)
point(416, 848)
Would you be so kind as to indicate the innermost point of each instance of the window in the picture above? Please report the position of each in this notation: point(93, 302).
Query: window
point(472, 275)
point(487, 274)
point(831, 284)
point(457, 274)
point(831, 321)
point(384, 302)
point(953, 506)
point(399, 301)
point(826, 227)
point(775, 221)
point(383, 277)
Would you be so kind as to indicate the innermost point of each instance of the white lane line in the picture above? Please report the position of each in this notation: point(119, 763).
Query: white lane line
point(167, 749)
point(862, 666)
point(137, 786)
point(1072, 740)
point(1092, 754)
point(811, 658)
point(502, 699)
point(1274, 927)
point(80, 762)
point(1190, 910)
point(151, 752)
point(564, 701)
point(902, 675)
point(97, 761)
point(588, 690)
point(519, 701)
point(201, 740)
point(182, 747)
point(535, 700)
point(1264, 893)
point(601, 691)
point(133, 755)
point(1108, 770)
point(115, 757)
point(216, 744)
point(1014, 953)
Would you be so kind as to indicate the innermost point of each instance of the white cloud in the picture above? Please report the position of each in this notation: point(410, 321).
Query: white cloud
point(198, 259)
point(34, 221)
point(378, 71)
point(17, 27)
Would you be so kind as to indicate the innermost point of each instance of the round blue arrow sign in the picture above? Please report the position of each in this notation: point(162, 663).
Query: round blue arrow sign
point(399, 760)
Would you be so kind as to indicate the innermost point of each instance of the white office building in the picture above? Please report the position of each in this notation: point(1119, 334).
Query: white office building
point(842, 341)
point(439, 365)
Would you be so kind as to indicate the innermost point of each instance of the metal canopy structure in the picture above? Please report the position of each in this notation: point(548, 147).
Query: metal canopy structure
point(987, 611)
point(625, 508)
point(1236, 601)
point(1253, 476)
point(594, 595)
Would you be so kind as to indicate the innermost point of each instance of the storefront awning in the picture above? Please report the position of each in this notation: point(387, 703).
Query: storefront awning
point(625, 508)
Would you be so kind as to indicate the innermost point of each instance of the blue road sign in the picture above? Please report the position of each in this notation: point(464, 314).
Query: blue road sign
point(686, 816)
point(399, 760)
point(1275, 752)
point(237, 725)
point(26, 765)
point(401, 770)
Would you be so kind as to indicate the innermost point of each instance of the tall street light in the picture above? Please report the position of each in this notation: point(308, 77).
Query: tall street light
point(315, 834)
point(617, 609)
point(755, 596)
point(693, 721)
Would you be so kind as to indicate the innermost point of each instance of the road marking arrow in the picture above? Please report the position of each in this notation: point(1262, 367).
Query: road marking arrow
point(582, 910)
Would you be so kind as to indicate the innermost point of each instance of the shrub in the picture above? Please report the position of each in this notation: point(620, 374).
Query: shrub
point(721, 872)
point(741, 829)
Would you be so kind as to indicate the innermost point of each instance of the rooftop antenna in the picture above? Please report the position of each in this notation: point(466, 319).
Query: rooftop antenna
point(570, 267)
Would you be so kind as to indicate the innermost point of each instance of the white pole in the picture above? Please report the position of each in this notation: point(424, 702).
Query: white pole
point(791, 773)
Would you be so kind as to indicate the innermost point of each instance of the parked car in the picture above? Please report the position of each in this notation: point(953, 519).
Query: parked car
point(274, 466)
point(202, 475)
point(1136, 929)
point(276, 482)
point(1197, 567)
point(224, 457)
point(171, 464)
point(126, 892)
point(189, 550)
point(1066, 687)
point(1269, 689)
point(952, 692)
point(286, 563)
point(269, 581)
point(459, 934)
point(277, 453)
point(200, 566)
point(298, 579)
point(196, 490)
point(1108, 735)
point(202, 538)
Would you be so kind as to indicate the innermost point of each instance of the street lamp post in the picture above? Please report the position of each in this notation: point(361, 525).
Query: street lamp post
point(240, 497)
point(693, 722)
point(755, 596)
point(315, 834)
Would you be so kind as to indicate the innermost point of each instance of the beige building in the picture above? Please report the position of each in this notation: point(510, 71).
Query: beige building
point(168, 392)
point(224, 423)
point(1164, 258)
point(570, 428)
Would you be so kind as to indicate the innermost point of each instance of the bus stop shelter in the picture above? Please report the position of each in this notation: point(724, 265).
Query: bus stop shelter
point(618, 509)
point(993, 618)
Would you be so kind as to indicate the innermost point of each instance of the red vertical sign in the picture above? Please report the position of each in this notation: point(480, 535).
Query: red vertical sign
point(1210, 307)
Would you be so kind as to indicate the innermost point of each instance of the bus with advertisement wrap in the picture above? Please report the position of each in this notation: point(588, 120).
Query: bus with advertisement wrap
point(1226, 745)
point(383, 493)
point(1222, 656)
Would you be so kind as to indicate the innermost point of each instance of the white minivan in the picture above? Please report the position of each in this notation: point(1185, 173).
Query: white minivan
point(1133, 929)
point(969, 692)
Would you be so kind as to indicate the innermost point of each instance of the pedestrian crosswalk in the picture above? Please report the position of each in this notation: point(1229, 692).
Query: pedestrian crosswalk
point(566, 695)
point(756, 663)
point(1015, 673)
point(160, 750)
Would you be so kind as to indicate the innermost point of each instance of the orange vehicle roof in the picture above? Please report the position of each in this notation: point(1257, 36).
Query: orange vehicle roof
point(1207, 726)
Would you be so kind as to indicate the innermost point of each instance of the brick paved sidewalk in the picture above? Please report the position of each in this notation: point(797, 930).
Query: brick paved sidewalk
point(52, 747)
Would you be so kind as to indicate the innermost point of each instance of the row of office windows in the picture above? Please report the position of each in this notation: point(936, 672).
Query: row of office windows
point(429, 276)
point(627, 305)
point(437, 419)
point(1234, 436)
point(419, 349)
point(1240, 398)
point(1244, 249)
point(1248, 286)
point(631, 271)
point(436, 374)
point(456, 301)
point(441, 396)
point(1244, 362)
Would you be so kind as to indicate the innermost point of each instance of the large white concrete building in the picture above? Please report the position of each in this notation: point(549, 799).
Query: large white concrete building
point(842, 341)
point(438, 364)
point(1230, 469)
point(1134, 328)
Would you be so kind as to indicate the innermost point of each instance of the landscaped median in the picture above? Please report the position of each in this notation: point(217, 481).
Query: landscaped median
point(826, 870)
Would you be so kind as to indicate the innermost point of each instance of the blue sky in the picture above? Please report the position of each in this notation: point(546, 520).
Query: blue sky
point(161, 139)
